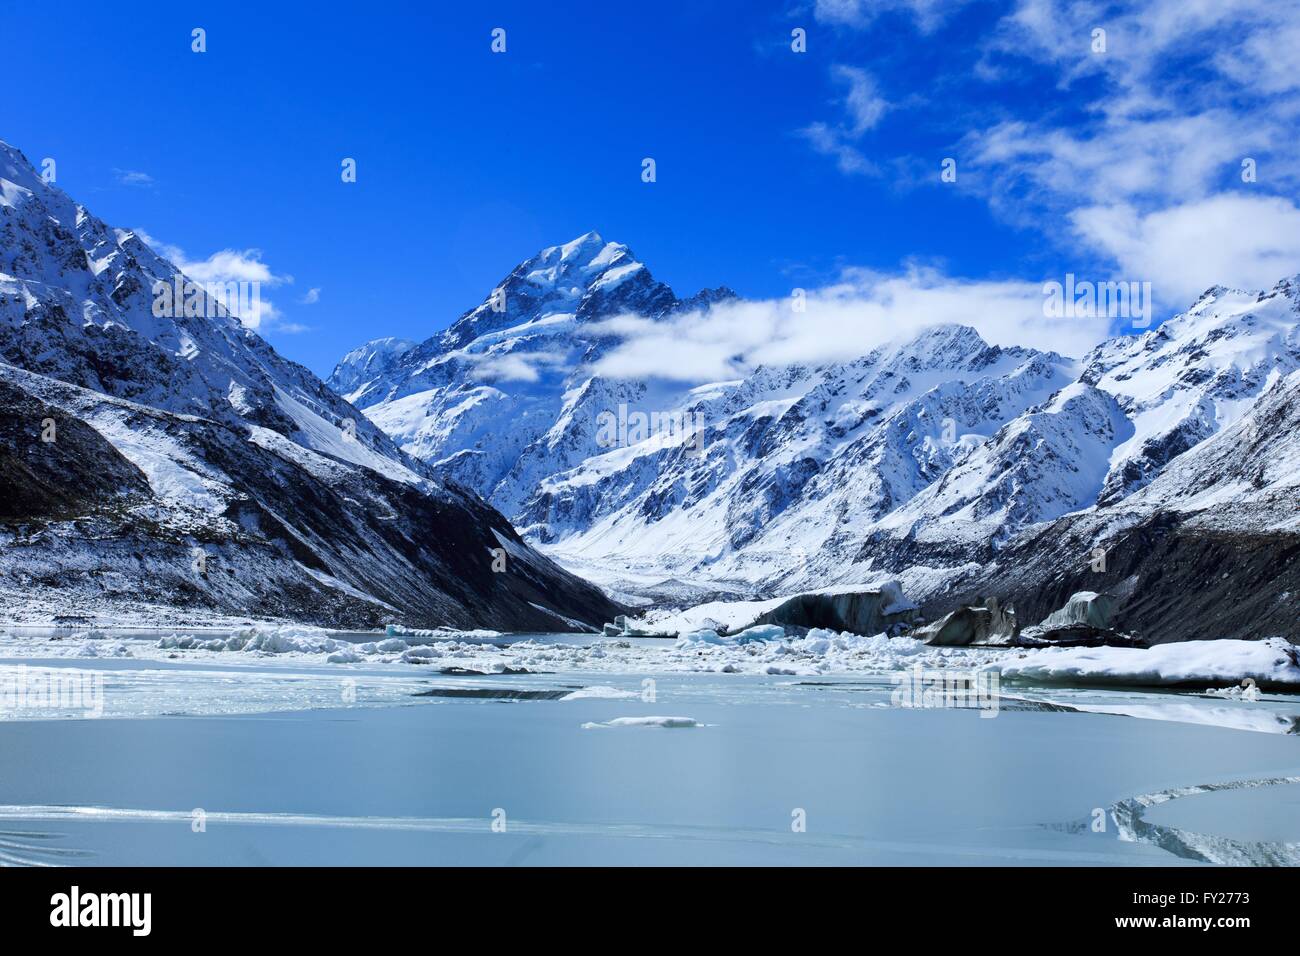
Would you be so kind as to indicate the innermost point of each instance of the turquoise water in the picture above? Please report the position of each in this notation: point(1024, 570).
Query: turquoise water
point(778, 771)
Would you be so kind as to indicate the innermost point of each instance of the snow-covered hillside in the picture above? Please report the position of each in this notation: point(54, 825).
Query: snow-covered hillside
point(922, 459)
point(164, 462)
point(1142, 405)
point(366, 364)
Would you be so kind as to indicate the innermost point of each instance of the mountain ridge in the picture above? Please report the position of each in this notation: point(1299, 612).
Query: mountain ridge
point(249, 489)
point(919, 460)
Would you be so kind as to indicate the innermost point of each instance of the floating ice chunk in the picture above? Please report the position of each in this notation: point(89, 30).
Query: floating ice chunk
point(442, 633)
point(760, 632)
point(601, 692)
point(268, 639)
point(817, 646)
point(645, 722)
point(346, 655)
point(283, 640)
point(116, 649)
point(705, 636)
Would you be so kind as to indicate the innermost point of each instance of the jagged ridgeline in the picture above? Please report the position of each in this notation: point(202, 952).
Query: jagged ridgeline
point(1161, 467)
point(166, 464)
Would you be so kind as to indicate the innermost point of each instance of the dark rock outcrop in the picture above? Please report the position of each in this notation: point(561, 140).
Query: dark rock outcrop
point(867, 612)
point(985, 623)
point(1170, 581)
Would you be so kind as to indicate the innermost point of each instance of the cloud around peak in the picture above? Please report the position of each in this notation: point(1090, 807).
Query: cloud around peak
point(840, 322)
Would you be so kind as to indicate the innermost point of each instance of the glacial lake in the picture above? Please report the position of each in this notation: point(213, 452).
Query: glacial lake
point(233, 761)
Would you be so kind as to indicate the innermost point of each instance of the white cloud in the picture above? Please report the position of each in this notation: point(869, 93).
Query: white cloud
point(231, 267)
point(511, 366)
point(1144, 38)
point(1159, 159)
point(1268, 61)
point(1209, 77)
point(311, 298)
point(928, 14)
point(1241, 241)
point(830, 141)
point(1185, 91)
point(863, 107)
point(132, 177)
point(840, 323)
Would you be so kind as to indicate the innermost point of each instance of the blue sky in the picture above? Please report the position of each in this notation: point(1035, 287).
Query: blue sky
point(776, 169)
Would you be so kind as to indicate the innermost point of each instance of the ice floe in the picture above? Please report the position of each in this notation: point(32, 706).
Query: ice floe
point(600, 692)
point(670, 722)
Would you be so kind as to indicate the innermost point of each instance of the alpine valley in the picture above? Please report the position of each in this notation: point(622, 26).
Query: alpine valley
point(1161, 468)
point(169, 467)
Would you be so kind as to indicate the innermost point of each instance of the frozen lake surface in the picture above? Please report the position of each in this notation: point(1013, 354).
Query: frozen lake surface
point(281, 758)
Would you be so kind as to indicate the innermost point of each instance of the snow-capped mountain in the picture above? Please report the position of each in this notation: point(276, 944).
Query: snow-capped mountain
point(1140, 403)
point(160, 459)
point(924, 459)
point(794, 463)
point(498, 399)
point(1196, 374)
point(366, 364)
point(1209, 547)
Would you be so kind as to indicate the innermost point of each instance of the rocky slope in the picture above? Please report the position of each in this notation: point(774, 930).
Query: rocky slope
point(163, 466)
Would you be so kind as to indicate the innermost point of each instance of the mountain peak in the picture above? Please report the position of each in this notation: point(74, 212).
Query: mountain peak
point(575, 247)
point(367, 362)
point(946, 340)
point(587, 255)
point(15, 157)
point(17, 170)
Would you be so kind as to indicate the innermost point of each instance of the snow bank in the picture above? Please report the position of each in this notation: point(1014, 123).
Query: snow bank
point(1271, 661)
